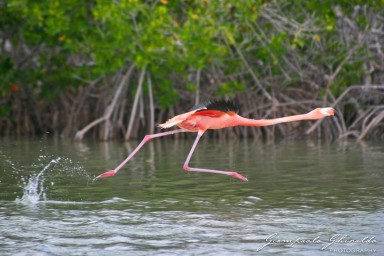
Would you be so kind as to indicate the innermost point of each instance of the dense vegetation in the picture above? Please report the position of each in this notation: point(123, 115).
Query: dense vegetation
point(117, 68)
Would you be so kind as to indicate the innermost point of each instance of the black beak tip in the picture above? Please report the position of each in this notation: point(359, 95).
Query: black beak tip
point(335, 114)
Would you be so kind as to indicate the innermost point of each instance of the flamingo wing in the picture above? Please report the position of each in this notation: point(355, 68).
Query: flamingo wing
point(209, 113)
point(176, 120)
point(213, 109)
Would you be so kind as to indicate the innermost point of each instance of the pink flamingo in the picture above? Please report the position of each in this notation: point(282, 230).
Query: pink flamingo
point(216, 115)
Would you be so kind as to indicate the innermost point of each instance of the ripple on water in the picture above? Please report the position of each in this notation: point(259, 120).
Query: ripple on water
point(161, 213)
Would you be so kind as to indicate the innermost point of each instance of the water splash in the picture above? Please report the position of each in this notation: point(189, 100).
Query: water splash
point(34, 190)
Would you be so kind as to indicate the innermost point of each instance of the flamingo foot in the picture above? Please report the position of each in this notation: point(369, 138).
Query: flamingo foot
point(238, 176)
point(106, 174)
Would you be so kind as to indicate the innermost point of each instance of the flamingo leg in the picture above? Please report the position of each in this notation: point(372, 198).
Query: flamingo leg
point(146, 138)
point(187, 168)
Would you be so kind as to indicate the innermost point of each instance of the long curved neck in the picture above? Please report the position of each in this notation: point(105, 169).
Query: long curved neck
point(242, 121)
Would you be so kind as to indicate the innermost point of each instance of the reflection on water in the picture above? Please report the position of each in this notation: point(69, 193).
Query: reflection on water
point(300, 195)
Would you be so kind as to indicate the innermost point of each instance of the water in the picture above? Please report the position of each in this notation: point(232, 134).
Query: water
point(303, 198)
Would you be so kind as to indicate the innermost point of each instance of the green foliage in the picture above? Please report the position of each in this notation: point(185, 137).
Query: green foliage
point(230, 89)
point(166, 95)
point(5, 111)
point(9, 75)
point(97, 38)
point(191, 87)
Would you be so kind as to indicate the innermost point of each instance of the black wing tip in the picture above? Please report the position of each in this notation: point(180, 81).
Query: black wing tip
point(221, 105)
point(201, 105)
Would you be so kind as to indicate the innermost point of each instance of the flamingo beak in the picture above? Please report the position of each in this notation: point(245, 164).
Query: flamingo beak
point(335, 114)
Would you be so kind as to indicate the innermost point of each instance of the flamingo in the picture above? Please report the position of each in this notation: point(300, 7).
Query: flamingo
point(215, 115)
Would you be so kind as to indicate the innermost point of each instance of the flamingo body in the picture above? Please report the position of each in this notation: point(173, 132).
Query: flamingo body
point(203, 120)
point(216, 115)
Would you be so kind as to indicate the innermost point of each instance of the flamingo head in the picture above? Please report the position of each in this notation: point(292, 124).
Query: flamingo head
point(319, 113)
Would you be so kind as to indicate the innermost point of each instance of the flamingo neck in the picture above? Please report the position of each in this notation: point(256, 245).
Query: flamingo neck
point(242, 121)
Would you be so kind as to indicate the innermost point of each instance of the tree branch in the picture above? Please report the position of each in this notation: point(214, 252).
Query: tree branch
point(135, 104)
point(109, 109)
